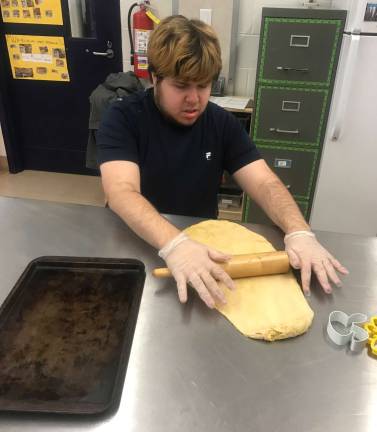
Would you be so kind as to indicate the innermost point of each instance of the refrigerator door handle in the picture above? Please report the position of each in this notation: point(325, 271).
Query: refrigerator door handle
point(345, 90)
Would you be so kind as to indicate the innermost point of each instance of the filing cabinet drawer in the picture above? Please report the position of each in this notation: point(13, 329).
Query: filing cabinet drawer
point(299, 50)
point(295, 168)
point(256, 215)
point(230, 201)
point(289, 116)
point(233, 215)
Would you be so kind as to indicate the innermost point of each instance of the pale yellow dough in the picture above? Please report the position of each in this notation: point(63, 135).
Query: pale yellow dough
point(264, 307)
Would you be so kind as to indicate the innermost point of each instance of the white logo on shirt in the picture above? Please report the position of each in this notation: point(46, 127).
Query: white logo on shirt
point(209, 155)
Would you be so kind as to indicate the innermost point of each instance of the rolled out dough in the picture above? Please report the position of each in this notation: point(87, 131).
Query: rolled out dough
point(264, 307)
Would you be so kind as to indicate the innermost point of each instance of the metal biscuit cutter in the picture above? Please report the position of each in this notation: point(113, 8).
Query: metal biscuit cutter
point(353, 334)
point(371, 328)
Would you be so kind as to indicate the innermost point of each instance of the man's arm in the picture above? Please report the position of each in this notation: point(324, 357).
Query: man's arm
point(304, 251)
point(121, 184)
point(189, 261)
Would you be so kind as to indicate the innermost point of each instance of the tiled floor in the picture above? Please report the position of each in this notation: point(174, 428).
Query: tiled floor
point(69, 188)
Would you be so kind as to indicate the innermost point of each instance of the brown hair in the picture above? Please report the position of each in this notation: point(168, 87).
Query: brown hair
point(185, 49)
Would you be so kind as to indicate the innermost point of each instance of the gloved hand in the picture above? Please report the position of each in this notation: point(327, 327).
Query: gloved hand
point(306, 253)
point(194, 263)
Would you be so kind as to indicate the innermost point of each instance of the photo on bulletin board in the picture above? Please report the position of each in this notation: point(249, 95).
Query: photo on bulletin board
point(371, 12)
point(32, 11)
point(37, 57)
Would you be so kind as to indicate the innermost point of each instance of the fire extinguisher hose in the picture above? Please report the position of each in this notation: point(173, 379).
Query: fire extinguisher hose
point(130, 32)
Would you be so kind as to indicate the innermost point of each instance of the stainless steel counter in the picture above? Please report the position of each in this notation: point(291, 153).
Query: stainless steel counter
point(190, 370)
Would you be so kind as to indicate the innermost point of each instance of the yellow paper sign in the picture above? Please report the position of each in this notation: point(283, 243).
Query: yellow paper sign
point(32, 11)
point(37, 57)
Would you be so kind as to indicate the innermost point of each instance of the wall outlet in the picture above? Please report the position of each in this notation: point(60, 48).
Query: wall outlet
point(206, 15)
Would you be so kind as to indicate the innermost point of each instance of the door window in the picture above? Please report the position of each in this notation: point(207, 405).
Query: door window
point(81, 18)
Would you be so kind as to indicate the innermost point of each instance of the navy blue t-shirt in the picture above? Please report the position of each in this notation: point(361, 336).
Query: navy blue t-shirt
point(180, 166)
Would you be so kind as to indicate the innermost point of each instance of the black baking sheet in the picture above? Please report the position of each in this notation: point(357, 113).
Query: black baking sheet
point(66, 331)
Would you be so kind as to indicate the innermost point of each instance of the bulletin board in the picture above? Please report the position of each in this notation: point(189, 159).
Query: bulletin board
point(37, 57)
point(32, 11)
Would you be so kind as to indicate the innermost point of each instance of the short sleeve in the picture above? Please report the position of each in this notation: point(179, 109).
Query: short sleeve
point(239, 149)
point(117, 135)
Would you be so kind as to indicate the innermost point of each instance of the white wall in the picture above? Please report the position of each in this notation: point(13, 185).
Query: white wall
point(2, 147)
point(222, 17)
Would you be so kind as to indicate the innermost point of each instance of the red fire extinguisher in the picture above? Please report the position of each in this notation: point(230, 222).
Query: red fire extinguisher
point(142, 26)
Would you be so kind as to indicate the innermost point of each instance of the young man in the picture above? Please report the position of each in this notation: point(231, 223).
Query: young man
point(164, 151)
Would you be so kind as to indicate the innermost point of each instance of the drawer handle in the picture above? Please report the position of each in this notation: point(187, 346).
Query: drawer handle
point(283, 131)
point(286, 68)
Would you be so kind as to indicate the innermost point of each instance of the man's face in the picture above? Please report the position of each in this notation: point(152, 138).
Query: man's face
point(182, 102)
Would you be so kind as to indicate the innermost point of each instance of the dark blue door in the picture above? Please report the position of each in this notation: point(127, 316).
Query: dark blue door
point(45, 123)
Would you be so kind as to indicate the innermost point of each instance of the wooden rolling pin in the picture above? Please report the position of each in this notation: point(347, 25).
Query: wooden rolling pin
point(240, 266)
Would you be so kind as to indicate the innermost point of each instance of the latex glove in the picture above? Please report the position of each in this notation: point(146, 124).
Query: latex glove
point(306, 253)
point(193, 263)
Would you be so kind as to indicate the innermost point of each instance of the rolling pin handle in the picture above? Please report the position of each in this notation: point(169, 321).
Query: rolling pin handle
point(161, 273)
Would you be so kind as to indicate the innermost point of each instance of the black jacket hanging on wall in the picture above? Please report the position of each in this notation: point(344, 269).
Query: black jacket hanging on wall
point(115, 88)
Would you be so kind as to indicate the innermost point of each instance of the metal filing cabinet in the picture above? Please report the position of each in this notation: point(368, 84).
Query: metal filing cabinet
point(298, 56)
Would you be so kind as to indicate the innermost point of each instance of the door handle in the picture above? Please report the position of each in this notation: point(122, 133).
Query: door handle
point(108, 54)
point(286, 68)
point(283, 131)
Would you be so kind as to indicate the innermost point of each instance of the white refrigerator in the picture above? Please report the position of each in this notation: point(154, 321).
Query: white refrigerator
point(345, 199)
